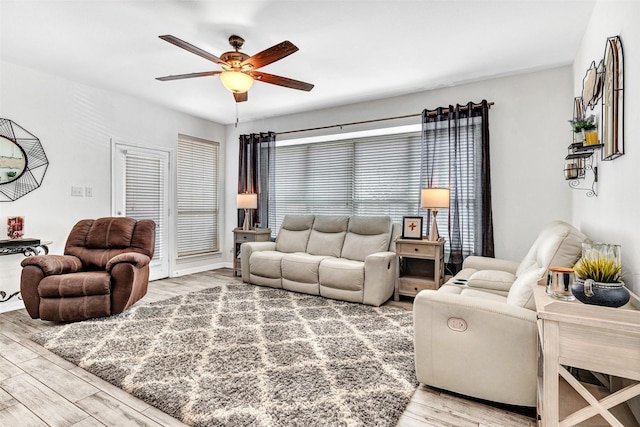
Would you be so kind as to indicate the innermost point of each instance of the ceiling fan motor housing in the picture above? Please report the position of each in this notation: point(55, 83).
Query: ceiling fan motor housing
point(234, 59)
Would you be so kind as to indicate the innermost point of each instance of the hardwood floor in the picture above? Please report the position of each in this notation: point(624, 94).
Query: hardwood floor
point(38, 388)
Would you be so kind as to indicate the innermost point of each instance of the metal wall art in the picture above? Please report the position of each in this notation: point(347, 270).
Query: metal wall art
point(613, 100)
point(23, 162)
point(592, 85)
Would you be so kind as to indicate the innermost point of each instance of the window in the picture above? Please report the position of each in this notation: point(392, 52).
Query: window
point(383, 175)
point(197, 231)
point(371, 175)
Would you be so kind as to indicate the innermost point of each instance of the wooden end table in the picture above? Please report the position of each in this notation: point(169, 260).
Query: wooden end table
point(241, 236)
point(599, 339)
point(420, 265)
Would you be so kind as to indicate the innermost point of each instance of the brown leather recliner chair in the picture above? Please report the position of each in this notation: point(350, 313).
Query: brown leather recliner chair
point(104, 270)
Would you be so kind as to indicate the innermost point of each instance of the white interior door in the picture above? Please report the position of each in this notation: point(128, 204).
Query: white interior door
point(140, 181)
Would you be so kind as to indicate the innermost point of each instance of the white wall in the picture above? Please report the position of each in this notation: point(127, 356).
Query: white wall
point(75, 124)
point(528, 126)
point(612, 217)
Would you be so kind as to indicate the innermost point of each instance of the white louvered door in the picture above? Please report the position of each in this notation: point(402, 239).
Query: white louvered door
point(141, 191)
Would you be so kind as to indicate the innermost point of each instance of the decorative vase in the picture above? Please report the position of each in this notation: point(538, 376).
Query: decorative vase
point(571, 171)
point(559, 283)
point(590, 137)
point(598, 293)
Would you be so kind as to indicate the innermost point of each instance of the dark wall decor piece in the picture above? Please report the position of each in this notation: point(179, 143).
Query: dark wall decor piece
point(592, 85)
point(23, 162)
point(597, 129)
point(613, 100)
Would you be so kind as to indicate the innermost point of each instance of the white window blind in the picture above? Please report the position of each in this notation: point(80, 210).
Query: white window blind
point(378, 175)
point(144, 193)
point(198, 220)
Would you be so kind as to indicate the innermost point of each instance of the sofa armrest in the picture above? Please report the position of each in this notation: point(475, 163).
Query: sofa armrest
point(246, 249)
point(129, 279)
point(495, 281)
point(475, 346)
point(136, 259)
point(54, 264)
point(487, 263)
point(379, 277)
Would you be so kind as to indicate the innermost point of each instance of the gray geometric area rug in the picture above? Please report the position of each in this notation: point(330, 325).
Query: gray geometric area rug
point(245, 355)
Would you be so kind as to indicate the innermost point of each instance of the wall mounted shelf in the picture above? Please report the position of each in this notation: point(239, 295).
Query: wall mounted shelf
point(585, 165)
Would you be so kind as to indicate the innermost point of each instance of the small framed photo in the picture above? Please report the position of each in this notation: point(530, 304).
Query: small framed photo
point(412, 227)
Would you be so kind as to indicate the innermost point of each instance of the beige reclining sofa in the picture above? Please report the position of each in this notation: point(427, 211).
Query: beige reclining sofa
point(350, 258)
point(477, 335)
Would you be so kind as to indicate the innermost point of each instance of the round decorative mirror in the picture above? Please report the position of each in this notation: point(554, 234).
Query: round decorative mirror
point(12, 160)
point(23, 162)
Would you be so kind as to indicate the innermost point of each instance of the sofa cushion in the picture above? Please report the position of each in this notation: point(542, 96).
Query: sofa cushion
point(474, 293)
point(342, 273)
point(327, 235)
point(521, 292)
point(558, 244)
point(266, 264)
point(301, 267)
point(491, 279)
point(110, 233)
point(366, 235)
point(81, 284)
point(294, 233)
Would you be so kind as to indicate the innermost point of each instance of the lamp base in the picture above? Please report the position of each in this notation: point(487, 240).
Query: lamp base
point(433, 232)
point(245, 225)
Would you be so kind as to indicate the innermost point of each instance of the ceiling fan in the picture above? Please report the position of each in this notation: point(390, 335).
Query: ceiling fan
point(239, 69)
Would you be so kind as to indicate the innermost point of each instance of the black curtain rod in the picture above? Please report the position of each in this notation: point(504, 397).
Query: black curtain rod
point(430, 113)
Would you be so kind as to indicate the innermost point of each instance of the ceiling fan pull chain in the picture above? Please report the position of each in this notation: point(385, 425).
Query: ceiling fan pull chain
point(236, 115)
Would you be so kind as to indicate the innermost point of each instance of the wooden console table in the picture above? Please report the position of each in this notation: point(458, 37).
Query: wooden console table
point(599, 339)
point(27, 247)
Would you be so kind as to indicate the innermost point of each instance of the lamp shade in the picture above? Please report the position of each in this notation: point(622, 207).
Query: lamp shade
point(236, 81)
point(434, 198)
point(247, 201)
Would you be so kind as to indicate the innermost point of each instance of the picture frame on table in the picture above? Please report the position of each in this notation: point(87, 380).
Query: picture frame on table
point(412, 227)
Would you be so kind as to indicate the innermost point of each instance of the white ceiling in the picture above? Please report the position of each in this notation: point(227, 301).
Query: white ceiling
point(352, 50)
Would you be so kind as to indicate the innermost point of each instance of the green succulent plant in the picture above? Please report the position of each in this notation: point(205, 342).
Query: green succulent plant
point(583, 124)
point(604, 270)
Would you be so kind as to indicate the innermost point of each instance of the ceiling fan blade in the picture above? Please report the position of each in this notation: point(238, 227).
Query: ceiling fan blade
point(273, 54)
point(281, 81)
point(241, 97)
point(188, 76)
point(191, 48)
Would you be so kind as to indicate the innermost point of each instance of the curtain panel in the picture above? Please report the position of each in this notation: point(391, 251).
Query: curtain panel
point(256, 168)
point(455, 155)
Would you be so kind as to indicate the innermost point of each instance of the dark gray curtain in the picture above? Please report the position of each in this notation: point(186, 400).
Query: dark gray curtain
point(455, 154)
point(256, 166)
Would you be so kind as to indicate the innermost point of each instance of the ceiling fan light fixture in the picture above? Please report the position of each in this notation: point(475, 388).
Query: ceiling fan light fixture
point(236, 81)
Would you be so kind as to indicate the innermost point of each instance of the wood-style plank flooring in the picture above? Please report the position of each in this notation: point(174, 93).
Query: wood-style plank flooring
point(38, 388)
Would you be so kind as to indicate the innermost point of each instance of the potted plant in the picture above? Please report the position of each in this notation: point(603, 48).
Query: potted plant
point(599, 276)
point(585, 131)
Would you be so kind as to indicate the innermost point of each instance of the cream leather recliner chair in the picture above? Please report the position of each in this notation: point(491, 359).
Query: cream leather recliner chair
point(477, 334)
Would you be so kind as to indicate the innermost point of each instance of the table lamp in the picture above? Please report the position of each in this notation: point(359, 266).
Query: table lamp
point(247, 201)
point(434, 199)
